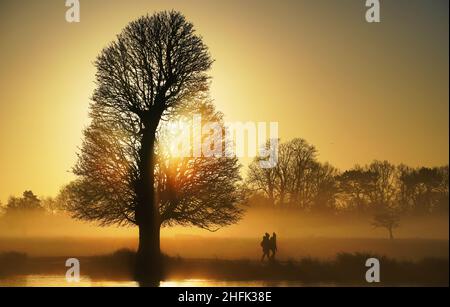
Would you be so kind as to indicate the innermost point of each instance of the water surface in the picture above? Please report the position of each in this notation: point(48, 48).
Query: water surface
point(60, 281)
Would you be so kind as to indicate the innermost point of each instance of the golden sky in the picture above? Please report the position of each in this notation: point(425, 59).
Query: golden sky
point(357, 91)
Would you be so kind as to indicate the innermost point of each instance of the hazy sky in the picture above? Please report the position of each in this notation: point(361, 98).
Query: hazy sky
point(357, 91)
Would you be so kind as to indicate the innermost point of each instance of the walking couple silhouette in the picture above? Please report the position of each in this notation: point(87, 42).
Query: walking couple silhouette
point(269, 244)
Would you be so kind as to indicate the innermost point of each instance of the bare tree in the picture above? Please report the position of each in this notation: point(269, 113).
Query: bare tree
point(326, 189)
point(355, 187)
point(261, 179)
point(156, 63)
point(302, 165)
point(283, 171)
point(384, 193)
point(387, 219)
point(297, 179)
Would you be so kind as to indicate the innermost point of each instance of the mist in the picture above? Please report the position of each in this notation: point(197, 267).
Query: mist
point(300, 234)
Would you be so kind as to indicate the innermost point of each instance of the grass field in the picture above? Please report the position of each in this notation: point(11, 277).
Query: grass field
point(231, 248)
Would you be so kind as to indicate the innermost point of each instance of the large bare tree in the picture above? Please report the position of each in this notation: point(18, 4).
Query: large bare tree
point(156, 63)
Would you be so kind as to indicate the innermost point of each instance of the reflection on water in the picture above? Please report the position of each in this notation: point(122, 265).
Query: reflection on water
point(59, 281)
point(218, 283)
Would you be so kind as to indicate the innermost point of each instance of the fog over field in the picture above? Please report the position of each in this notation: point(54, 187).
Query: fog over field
point(299, 235)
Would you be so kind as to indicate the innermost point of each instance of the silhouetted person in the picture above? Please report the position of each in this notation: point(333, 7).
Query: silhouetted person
point(273, 245)
point(265, 244)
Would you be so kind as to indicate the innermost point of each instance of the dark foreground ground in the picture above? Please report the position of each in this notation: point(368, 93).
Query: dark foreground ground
point(344, 269)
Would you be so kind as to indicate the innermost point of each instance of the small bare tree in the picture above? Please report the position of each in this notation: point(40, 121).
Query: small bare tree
point(388, 220)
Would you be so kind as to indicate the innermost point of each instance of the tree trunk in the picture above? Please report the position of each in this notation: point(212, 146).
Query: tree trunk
point(148, 261)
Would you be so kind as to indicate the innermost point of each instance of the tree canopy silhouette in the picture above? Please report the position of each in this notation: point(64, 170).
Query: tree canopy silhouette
point(191, 191)
point(424, 189)
point(156, 63)
point(28, 203)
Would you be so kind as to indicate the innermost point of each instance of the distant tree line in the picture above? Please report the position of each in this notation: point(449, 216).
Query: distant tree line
point(29, 203)
point(300, 181)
